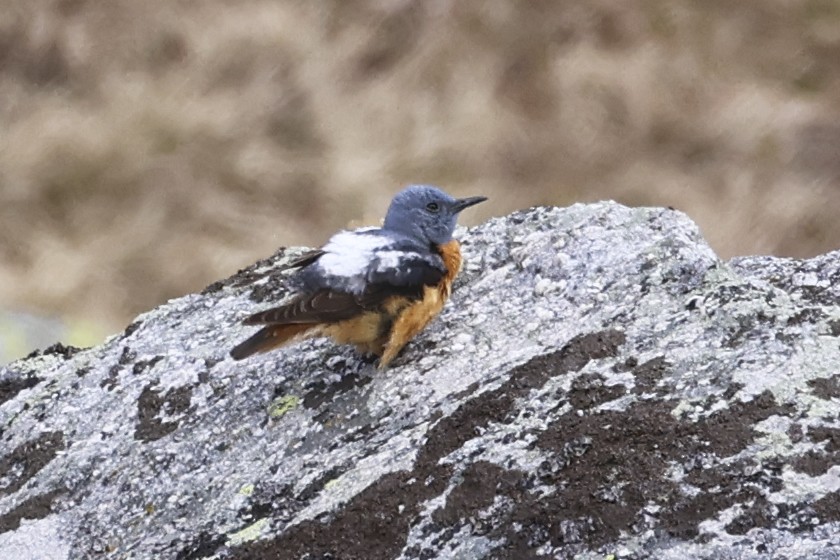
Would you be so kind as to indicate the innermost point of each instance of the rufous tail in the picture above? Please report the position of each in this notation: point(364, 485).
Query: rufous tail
point(267, 338)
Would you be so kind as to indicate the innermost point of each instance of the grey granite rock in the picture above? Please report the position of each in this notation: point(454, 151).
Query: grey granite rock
point(600, 386)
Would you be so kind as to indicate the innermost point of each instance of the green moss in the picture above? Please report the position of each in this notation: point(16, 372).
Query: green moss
point(281, 405)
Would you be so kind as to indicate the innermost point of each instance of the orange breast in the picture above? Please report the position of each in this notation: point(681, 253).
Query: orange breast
point(414, 318)
point(451, 254)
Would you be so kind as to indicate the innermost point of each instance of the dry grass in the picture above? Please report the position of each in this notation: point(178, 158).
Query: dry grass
point(149, 148)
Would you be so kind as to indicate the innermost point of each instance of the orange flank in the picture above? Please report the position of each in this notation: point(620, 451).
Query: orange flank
point(415, 317)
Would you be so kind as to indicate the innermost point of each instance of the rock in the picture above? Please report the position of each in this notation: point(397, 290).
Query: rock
point(600, 385)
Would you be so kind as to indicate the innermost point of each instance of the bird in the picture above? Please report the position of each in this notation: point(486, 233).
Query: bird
point(373, 287)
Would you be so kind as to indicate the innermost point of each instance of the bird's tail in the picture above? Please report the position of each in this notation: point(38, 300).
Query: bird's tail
point(267, 338)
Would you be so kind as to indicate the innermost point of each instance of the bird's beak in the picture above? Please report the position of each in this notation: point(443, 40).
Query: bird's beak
point(462, 203)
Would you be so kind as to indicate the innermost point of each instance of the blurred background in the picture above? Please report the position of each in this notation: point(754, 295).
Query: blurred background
point(150, 148)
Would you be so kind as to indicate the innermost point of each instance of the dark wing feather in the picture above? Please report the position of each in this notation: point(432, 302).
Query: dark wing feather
point(415, 270)
point(266, 338)
point(305, 259)
point(323, 306)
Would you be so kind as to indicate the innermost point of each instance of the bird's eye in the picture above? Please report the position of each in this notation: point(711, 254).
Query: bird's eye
point(433, 207)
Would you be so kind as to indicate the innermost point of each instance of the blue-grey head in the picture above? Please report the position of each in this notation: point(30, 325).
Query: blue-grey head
point(426, 213)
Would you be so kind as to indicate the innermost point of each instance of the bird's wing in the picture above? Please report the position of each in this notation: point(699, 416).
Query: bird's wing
point(403, 268)
point(351, 275)
point(324, 306)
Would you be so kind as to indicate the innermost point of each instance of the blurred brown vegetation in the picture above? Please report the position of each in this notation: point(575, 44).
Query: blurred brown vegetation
point(149, 148)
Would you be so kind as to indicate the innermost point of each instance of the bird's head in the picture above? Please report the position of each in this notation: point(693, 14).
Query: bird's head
point(426, 213)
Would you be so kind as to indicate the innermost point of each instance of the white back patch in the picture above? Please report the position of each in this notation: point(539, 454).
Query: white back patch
point(348, 255)
point(389, 259)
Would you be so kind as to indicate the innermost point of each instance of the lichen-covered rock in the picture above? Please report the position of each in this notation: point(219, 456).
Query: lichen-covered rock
point(601, 385)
